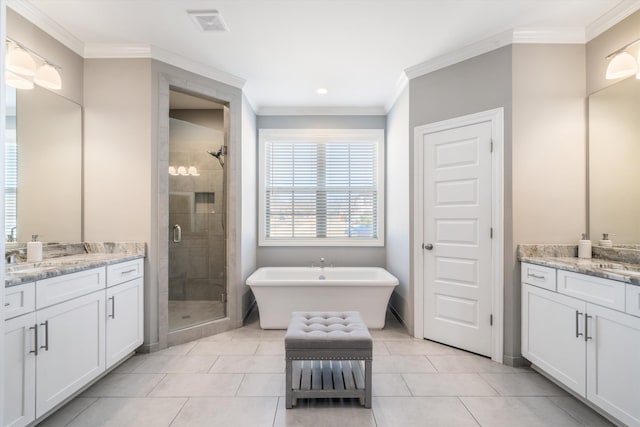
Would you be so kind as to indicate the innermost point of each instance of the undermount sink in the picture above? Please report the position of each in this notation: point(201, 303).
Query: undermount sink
point(615, 268)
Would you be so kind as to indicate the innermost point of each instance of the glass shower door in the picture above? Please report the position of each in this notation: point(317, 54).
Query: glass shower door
point(197, 236)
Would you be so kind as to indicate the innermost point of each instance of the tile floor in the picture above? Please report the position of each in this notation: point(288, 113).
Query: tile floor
point(237, 379)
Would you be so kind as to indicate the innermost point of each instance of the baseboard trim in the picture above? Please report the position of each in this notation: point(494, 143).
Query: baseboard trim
point(516, 362)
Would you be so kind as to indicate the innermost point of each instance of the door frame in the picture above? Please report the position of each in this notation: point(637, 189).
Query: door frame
point(496, 117)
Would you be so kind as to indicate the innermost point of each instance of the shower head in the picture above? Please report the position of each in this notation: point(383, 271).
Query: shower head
point(219, 154)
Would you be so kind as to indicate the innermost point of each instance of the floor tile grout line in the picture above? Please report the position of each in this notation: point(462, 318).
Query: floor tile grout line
point(275, 414)
point(179, 411)
point(407, 385)
point(469, 411)
point(157, 385)
point(240, 385)
point(563, 409)
point(78, 414)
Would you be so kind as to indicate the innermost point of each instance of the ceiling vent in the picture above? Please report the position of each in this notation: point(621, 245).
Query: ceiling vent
point(208, 20)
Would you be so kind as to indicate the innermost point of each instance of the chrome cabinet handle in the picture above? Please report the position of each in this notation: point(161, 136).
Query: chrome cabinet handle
point(578, 333)
point(113, 307)
point(7, 304)
point(35, 339)
point(46, 335)
point(133, 270)
point(586, 328)
point(177, 234)
point(535, 276)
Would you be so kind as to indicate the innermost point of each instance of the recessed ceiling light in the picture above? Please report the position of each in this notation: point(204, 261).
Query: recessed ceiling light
point(322, 91)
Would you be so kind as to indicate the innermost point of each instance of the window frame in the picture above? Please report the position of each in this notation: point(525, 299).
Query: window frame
point(318, 136)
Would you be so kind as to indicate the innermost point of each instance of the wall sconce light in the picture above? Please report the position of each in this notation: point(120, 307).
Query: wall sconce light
point(622, 63)
point(25, 67)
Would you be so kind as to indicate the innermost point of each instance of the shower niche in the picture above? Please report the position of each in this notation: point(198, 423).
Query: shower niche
point(197, 235)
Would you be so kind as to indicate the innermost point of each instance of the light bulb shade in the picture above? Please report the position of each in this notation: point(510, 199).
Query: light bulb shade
point(21, 62)
point(172, 171)
point(622, 65)
point(182, 170)
point(193, 171)
point(48, 77)
point(17, 81)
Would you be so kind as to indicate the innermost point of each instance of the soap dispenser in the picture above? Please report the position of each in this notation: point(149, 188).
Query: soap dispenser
point(584, 247)
point(34, 249)
point(605, 242)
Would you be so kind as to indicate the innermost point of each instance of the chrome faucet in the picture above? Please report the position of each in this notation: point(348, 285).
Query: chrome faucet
point(12, 237)
point(10, 257)
point(322, 263)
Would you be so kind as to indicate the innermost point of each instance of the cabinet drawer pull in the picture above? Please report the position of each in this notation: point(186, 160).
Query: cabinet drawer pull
point(113, 307)
point(133, 270)
point(35, 339)
point(46, 335)
point(578, 333)
point(535, 276)
point(586, 327)
point(7, 304)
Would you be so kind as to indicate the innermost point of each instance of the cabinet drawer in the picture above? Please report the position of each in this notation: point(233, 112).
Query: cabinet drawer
point(537, 275)
point(633, 299)
point(19, 300)
point(604, 292)
point(62, 288)
point(124, 271)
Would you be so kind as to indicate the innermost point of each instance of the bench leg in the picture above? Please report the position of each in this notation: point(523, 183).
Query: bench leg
point(288, 384)
point(367, 383)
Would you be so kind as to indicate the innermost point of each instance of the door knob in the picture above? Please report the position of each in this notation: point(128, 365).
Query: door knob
point(428, 246)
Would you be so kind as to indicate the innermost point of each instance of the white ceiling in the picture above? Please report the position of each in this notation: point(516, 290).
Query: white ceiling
point(357, 49)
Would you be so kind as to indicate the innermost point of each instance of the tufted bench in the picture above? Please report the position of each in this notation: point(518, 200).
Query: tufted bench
point(324, 354)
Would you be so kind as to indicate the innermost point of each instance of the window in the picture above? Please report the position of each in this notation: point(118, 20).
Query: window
point(321, 187)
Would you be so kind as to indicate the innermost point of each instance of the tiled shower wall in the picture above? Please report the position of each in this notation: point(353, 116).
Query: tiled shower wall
point(196, 203)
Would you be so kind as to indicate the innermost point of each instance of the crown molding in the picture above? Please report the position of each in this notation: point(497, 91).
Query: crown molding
point(116, 50)
point(611, 18)
point(549, 35)
point(321, 111)
point(483, 46)
point(46, 24)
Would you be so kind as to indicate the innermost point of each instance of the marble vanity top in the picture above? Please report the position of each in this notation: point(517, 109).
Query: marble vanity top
point(562, 257)
point(94, 256)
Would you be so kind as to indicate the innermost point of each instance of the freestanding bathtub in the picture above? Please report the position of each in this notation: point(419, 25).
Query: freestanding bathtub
point(282, 290)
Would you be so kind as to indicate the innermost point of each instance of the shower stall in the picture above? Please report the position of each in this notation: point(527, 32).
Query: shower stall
point(198, 137)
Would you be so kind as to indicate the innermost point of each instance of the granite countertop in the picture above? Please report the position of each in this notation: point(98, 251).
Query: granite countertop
point(563, 257)
point(23, 272)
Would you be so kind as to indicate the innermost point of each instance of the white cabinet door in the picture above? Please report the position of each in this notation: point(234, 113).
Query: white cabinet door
point(71, 337)
point(124, 320)
point(19, 371)
point(553, 335)
point(613, 363)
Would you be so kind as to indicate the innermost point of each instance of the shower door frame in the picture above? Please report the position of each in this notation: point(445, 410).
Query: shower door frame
point(233, 317)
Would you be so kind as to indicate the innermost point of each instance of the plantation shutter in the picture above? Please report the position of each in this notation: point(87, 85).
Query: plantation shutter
point(321, 190)
point(10, 182)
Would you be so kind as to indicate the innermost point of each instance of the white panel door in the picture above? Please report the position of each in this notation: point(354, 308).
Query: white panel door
point(457, 224)
point(19, 371)
point(613, 363)
point(71, 351)
point(553, 335)
point(124, 320)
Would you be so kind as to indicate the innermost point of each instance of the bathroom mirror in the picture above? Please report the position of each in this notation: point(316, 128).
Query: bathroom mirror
point(614, 170)
point(43, 167)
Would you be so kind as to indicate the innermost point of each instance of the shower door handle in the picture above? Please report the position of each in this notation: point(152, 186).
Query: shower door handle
point(177, 234)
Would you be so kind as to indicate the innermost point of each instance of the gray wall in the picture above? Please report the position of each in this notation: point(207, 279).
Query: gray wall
point(274, 256)
point(477, 84)
point(249, 209)
point(398, 243)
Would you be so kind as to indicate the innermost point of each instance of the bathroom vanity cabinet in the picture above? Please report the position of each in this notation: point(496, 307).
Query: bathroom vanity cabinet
point(69, 332)
point(583, 331)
